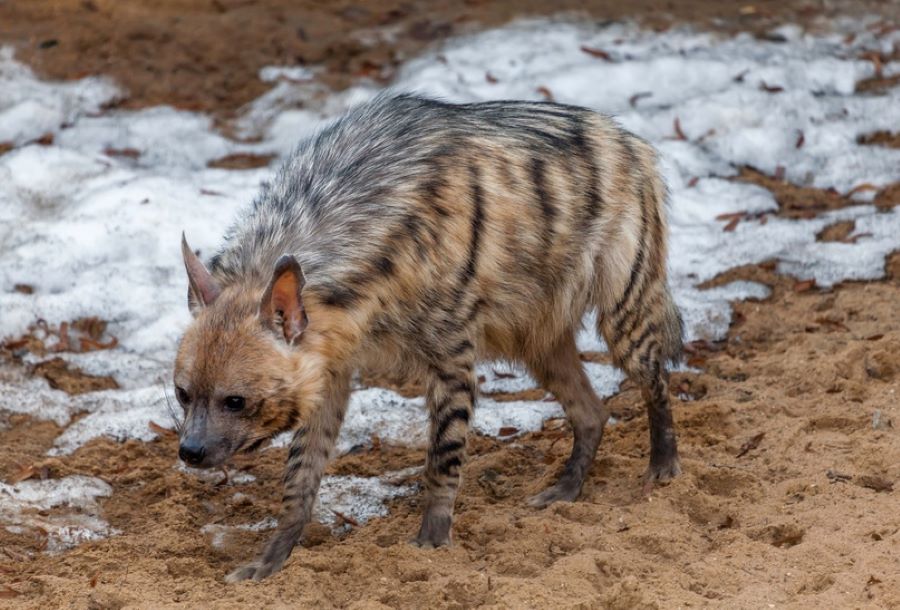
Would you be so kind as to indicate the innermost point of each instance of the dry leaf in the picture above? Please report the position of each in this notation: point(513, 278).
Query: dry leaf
point(548, 95)
point(162, 432)
point(490, 78)
point(801, 139)
point(24, 474)
point(770, 88)
point(805, 285)
point(64, 344)
point(875, 58)
point(751, 444)
point(599, 53)
point(345, 518)
point(130, 153)
point(507, 431)
point(732, 224)
point(679, 134)
point(633, 100)
point(875, 482)
point(837, 477)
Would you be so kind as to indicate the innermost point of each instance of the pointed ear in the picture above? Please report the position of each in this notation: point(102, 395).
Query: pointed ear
point(202, 288)
point(281, 309)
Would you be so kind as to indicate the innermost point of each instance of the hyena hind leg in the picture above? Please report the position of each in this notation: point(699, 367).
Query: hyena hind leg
point(561, 372)
point(641, 340)
point(450, 397)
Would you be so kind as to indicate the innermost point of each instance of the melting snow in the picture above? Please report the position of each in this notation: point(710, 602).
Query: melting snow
point(358, 498)
point(22, 503)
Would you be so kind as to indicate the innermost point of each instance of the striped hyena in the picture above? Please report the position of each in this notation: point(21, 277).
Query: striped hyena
point(428, 236)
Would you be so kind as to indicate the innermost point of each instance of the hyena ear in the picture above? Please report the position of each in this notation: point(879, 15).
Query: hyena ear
point(282, 309)
point(202, 288)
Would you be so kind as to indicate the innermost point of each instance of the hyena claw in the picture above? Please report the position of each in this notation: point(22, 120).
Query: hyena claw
point(434, 532)
point(560, 492)
point(251, 571)
point(661, 473)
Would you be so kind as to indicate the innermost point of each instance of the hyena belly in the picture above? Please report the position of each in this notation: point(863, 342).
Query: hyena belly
point(436, 235)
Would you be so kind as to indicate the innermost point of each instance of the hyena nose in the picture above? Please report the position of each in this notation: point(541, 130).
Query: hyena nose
point(192, 454)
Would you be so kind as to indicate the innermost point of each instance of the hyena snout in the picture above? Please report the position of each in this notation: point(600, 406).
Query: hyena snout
point(191, 452)
point(201, 446)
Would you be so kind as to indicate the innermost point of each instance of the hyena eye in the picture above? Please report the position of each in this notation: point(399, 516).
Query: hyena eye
point(182, 395)
point(234, 403)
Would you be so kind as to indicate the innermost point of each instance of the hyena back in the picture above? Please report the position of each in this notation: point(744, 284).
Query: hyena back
point(428, 236)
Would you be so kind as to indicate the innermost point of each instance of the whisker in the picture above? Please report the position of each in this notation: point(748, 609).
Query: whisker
point(177, 422)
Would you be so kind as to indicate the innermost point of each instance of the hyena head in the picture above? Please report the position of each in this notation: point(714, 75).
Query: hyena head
point(241, 373)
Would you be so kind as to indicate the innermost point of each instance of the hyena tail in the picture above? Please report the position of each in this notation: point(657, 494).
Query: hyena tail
point(637, 316)
point(642, 326)
point(672, 335)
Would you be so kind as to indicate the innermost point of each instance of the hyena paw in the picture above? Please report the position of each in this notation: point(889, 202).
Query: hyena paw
point(662, 472)
point(435, 532)
point(252, 571)
point(562, 491)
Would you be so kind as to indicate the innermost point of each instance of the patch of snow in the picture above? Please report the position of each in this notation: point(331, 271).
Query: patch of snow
point(358, 498)
point(30, 108)
point(21, 506)
point(271, 74)
point(395, 420)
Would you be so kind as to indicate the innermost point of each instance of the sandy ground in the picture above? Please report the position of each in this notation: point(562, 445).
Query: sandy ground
point(788, 434)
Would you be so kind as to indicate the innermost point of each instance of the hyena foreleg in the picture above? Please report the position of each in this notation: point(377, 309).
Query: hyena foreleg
point(307, 458)
point(561, 372)
point(450, 398)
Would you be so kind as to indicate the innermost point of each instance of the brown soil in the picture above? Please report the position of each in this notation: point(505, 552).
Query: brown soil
point(206, 54)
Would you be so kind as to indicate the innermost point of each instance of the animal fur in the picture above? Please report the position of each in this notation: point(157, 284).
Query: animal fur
point(428, 236)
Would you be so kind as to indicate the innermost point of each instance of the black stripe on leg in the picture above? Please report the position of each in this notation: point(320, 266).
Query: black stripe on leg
point(447, 420)
point(650, 330)
point(446, 466)
point(640, 311)
point(462, 387)
point(447, 447)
